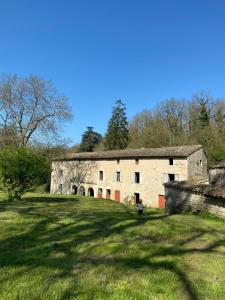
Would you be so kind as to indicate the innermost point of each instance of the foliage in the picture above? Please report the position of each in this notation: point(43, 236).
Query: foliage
point(89, 141)
point(20, 169)
point(174, 122)
point(64, 247)
point(31, 108)
point(117, 133)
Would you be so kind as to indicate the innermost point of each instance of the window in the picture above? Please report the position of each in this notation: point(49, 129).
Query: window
point(200, 162)
point(108, 194)
point(118, 176)
point(60, 188)
point(171, 161)
point(136, 161)
point(136, 198)
point(171, 177)
point(118, 161)
point(137, 177)
point(100, 175)
point(60, 173)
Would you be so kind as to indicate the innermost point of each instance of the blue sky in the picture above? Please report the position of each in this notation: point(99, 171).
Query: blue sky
point(98, 51)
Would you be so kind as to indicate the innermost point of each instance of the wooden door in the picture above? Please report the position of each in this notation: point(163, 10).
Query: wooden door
point(162, 201)
point(117, 195)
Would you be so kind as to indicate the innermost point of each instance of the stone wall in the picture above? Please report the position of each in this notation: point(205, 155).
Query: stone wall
point(152, 177)
point(178, 200)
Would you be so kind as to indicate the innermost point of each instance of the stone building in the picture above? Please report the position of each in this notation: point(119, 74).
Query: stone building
point(127, 175)
point(198, 193)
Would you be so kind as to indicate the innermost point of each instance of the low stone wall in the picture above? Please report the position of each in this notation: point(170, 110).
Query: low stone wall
point(178, 200)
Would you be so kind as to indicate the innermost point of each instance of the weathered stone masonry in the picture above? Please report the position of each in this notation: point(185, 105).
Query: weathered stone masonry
point(126, 175)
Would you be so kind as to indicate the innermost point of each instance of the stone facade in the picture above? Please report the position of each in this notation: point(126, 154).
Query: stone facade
point(178, 200)
point(123, 178)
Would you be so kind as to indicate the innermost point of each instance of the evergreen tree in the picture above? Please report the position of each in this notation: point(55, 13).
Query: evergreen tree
point(89, 140)
point(204, 114)
point(117, 134)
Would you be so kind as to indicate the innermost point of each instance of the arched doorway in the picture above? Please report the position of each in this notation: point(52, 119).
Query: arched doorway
point(74, 189)
point(82, 191)
point(91, 192)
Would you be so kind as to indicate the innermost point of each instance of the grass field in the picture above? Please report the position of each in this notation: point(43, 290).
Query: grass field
point(84, 248)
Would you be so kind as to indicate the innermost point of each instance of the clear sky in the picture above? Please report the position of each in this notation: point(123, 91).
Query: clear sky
point(97, 51)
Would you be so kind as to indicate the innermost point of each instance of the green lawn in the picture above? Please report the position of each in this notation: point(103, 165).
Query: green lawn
point(55, 247)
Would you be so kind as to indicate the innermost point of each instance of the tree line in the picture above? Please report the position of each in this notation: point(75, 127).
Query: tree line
point(173, 122)
point(32, 113)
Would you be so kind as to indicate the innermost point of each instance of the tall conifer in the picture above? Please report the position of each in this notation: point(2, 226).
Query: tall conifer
point(117, 134)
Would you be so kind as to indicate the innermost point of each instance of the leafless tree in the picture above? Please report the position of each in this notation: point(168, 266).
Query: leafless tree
point(32, 108)
point(82, 172)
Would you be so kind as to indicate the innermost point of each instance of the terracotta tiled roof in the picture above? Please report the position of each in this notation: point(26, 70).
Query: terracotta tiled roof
point(179, 151)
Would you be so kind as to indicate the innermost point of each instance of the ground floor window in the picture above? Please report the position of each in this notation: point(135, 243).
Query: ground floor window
point(108, 194)
point(60, 188)
point(136, 198)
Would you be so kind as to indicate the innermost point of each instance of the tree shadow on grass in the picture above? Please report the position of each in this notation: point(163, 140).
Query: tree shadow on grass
point(50, 234)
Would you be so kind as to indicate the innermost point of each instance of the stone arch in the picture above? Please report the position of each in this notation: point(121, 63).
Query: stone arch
point(81, 191)
point(74, 189)
point(91, 192)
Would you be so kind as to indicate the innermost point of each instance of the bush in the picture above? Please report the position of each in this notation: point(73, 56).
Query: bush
point(20, 169)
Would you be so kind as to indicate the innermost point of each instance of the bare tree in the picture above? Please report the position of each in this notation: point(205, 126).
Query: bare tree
point(83, 172)
point(32, 108)
point(78, 172)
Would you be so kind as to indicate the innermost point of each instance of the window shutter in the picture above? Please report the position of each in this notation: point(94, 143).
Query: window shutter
point(120, 177)
point(141, 178)
point(165, 178)
point(176, 177)
point(114, 176)
point(133, 178)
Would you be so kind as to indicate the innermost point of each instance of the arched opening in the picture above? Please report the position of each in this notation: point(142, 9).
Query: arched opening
point(74, 189)
point(82, 191)
point(91, 192)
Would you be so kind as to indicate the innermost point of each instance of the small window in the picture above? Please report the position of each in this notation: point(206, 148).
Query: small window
point(136, 198)
point(118, 161)
point(108, 192)
point(136, 161)
point(118, 176)
point(200, 162)
point(171, 177)
point(100, 175)
point(60, 173)
point(171, 161)
point(137, 177)
point(60, 188)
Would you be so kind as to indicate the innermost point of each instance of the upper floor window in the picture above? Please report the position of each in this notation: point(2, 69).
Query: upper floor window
point(118, 161)
point(117, 176)
point(170, 177)
point(136, 161)
point(137, 177)
point(171, 161)
point(100, 175)
point(60, 173)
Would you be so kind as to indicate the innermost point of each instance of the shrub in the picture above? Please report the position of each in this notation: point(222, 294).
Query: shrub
point(20, 169)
